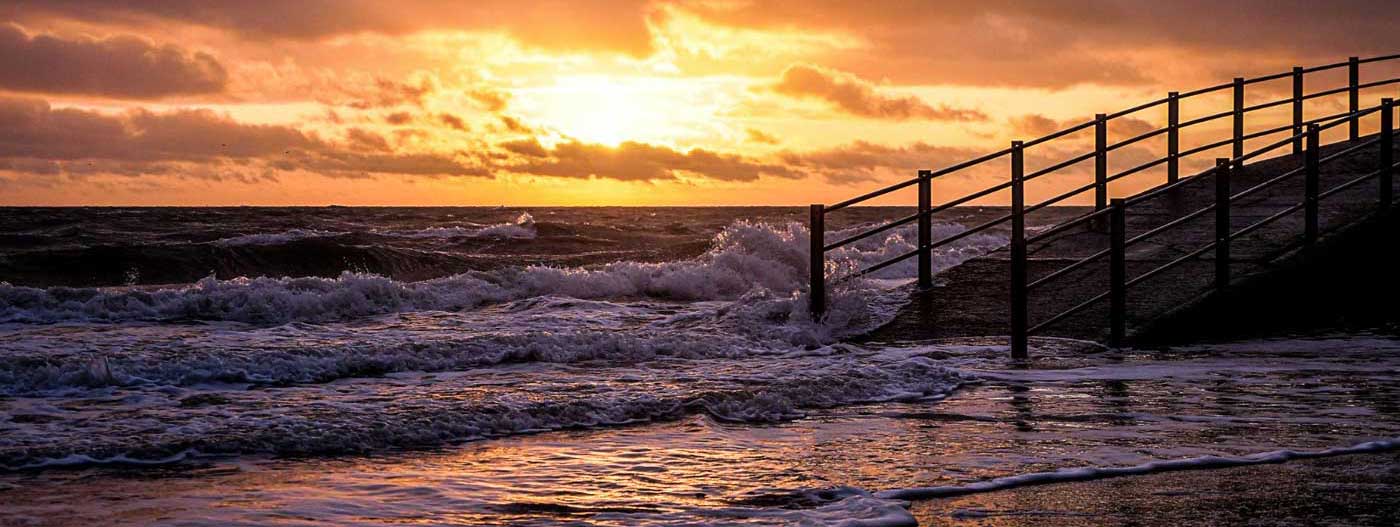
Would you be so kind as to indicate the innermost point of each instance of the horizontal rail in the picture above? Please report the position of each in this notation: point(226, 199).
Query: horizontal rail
point(969, 197)
point(1059, 134)
point(872, 195)
point(877, 230)
point(1349, 184)
point(877, 266)
point(1136, 109)
point(1137, 138)
point(969, 232)
point(1204, 119)
point(1066, 269)
point(1164, 267)
point(1101, 179)
point(1065, 225)
point(1071, 311)
point(1211, 245)
point(947, 170)
point(1060, 197)
point(1058, 166)
point(1136, 169)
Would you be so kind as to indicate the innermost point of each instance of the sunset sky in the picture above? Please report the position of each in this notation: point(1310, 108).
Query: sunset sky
point(618, 102)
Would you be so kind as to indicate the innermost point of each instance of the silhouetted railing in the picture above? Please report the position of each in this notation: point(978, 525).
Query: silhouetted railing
point(1302, 130)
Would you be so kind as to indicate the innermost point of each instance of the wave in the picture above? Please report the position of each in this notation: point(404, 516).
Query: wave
point(743, 257)
point(418, 411)
point(275, 238)
point(523, 228)
point(1093, 473)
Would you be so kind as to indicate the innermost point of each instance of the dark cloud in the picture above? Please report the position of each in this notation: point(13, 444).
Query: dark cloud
point(858, 97)
point(612, 25)
point(118, 67)
point(491, 100)
point(862, 160)
point(385, 93)
point(631, 161)
point(398, 118)
point(1058, 44)
point(453, 122)
point(143, 142)
point(1031, 126)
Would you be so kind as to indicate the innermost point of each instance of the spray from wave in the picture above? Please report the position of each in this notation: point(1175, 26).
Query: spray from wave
point(744, 258)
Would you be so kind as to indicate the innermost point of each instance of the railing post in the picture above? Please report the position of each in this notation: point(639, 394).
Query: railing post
point(925, 229)
point(1297, 109)
point(1100, 161)
point(1222, 224)
point(1238, 150)
point(1118, 272)
point(1173, 136)
point(1354, 95)
point(817, 292)
point(1387, 151)
point(1019, 338)
point(1310, 179)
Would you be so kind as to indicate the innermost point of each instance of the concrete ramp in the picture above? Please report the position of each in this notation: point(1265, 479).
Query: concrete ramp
point(973, 299)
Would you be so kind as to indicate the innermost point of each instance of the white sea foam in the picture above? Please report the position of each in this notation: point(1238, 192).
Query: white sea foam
point(523, 228)
point(745, 257)
point(414, 409)
point(1091, 473)
point(275, 238)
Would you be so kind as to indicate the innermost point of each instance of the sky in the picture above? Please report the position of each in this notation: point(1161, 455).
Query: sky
point(615, 102)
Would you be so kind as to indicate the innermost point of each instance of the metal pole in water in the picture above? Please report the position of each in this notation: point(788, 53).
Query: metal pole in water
point(1387, 151)
point(1297, 109)
point(1354, 95)
point(1118, 272)
point(925, 229)
point(1310, 179)
point(1100, 161)
point(1173, 136)
point(1019, 337)
point(1222, 224)
point(817, 291)
point(1238, 150)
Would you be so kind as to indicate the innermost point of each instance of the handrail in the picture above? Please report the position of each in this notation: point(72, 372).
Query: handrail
point(1099, 154)
point(1320, 160)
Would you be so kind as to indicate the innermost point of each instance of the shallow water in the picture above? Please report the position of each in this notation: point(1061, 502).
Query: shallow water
point(1098, 410)
point(548, 383)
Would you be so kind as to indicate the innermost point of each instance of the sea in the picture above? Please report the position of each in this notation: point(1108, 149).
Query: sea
point(577, 366)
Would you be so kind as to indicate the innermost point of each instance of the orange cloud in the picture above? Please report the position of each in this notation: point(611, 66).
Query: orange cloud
point(38, 139)
point(632, 161)
point(117, 67)
point(859, 97)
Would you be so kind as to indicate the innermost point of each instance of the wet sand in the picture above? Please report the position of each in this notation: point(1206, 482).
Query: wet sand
point(1359, 489)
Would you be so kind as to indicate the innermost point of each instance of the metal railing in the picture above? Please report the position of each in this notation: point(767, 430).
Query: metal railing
point(1303, 130)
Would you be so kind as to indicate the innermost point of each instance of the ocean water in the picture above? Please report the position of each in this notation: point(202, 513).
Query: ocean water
point(620, 366)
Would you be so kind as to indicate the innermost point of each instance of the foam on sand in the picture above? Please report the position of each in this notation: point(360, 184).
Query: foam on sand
point(1092, 473)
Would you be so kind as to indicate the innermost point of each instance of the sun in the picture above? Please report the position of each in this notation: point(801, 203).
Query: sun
point(607, 110)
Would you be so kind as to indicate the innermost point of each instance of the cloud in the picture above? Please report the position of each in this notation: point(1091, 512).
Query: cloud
point(863, 160)
point(1031, 126)
point(491, 100)
point(386, 93)
point(1058, 44)
point(140, 142)
point(759, 136)
point(398, 118)
point(859, 97)
point(453, 122)
point(632, 161)
point(609, 25)
point(117, 67)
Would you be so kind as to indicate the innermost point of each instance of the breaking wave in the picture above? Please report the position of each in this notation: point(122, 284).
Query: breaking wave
point(363, 417)
point(743, 257)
